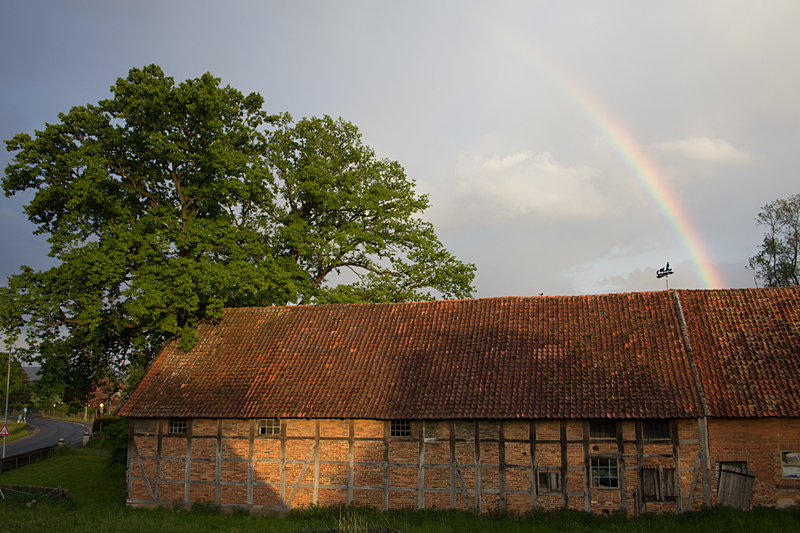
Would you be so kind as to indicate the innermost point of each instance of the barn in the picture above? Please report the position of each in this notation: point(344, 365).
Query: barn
point(637, 402)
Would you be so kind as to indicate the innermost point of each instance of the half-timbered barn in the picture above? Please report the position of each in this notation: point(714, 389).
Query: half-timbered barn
point(639, 402)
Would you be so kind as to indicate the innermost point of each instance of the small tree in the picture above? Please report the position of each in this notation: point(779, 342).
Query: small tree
point(776, 265)
point(21, 392)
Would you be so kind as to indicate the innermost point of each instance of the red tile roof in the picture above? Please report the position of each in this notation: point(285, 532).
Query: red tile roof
point(605, 356)
point(746, 345)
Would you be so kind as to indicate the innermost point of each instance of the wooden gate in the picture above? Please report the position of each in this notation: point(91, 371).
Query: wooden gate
point(735, 487)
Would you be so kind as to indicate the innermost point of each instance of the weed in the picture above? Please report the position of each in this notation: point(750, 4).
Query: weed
point(206, 509)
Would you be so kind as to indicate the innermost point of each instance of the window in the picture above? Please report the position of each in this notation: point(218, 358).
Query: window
point(736, 464)
point(604, 473)
point(177, 425)
point(270, 426)
point(549, 481)
point(400, 428)
point(790, 464)
point(603, 429)
point(658, 483)
point(655, 429)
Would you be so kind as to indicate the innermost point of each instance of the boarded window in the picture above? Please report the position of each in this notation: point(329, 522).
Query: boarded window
point(603, 429)
point(655, 429)
point(177, 425)
point(735, 464)
point(549, 481)
point(604, 473)
point(269, 426)
point(790, 464)
point(400, 428)
point(658, 483)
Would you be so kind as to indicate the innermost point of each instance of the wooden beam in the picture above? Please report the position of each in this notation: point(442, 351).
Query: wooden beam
point(453, 480)
point(282, 488)
point(676, 452)
point(534, 471)
point(351, 436)
point(251, 445)
point(501, 458)
point(386, 428)
point(642, 505)
point(705, 460)
point(158, 458)
point(316, 462)
point(564, 466)
point(421, 467)
point(587, 491)
point(463, 485)
point(141, 467)
point(218, 469)
point(187, 478)
point(302, 475)
point(478, 498)
point(623, 484)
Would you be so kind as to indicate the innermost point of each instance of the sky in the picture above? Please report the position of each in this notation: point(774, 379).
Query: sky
point(566, 147)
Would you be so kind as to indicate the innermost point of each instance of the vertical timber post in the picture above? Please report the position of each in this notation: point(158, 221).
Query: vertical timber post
point(564, 466)
point(351, 436)
point(534, 472)
point(187, 478)
point(421, 465)
point(502, 460)
point(478, 497)
point(453, 480)
point(218, 470)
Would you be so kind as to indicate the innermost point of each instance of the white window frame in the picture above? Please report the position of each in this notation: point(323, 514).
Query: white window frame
point(269, 426)
point(790, 460)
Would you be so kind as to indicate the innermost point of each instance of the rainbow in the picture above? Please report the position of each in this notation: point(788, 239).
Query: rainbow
point(631, 152)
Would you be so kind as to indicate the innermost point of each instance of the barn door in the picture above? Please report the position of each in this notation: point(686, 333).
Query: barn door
point(735, 487)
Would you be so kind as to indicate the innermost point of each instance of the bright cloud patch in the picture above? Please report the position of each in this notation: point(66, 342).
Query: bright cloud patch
point(704, 149)
point(525, 183)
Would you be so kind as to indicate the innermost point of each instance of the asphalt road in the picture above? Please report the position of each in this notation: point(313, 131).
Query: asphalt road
point(50, 430)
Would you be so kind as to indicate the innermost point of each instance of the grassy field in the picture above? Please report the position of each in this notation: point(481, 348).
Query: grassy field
point(17, 431)
point(98, 506)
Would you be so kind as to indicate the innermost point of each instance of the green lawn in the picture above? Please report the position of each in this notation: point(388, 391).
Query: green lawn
point(98, 506)
point(18, 431)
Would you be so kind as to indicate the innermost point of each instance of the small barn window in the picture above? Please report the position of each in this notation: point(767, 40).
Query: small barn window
point(658, 483)
point(549, 481)
point(655, 429)
point(790, 464)
point(177, 425)
point(604, 473)
point(269, 426)
point(603, 429)
point(735, 464)
point(400, 428)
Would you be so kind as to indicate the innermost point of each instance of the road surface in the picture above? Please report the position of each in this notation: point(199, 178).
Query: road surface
point(50, 430)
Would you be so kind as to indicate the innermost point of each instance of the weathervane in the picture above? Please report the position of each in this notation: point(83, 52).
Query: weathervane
point(663, 273)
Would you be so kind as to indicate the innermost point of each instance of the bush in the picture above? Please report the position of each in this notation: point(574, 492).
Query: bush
point(101, 423)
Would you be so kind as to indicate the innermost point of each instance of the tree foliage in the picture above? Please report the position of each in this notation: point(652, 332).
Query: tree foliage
point(776, 263)
point(166, 203)
point(20, 391)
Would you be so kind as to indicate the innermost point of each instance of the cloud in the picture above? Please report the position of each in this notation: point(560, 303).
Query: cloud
point(707, 149)
point(526, 183)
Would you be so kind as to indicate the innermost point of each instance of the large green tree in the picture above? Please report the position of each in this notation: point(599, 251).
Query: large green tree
point(776, 263)
point(166, 203)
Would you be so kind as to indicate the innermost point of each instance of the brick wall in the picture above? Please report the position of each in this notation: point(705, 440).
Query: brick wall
point(759, 443)
point(481, 465)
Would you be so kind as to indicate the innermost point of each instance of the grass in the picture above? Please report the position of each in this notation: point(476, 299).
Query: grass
point(98, 506)
point(17, 431)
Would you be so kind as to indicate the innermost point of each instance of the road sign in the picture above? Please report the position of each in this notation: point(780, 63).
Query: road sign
point(4, 432)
